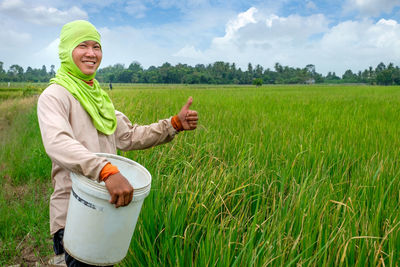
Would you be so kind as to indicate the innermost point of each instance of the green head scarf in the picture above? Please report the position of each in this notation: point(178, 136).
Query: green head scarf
point(94, 100)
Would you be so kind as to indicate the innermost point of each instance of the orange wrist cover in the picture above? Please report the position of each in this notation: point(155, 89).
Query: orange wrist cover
point(176, 123)
point(108, 170)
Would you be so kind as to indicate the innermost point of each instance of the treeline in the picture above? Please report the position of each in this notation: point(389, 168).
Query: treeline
point(17, 74)
point(216, 73)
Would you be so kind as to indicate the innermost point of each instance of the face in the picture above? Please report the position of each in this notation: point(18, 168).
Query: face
point(87, 56)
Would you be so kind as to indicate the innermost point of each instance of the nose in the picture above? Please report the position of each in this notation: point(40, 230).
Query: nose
point(90, 52)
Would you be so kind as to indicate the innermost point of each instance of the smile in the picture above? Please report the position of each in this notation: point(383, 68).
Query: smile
point(89, 62)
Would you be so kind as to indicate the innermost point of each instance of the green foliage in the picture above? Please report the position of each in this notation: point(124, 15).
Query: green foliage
point(217, 73)
point(18, 89)
point(257, 82)
point(25, 183)
point(307, 176)
point(17, 74)
point(273, 176)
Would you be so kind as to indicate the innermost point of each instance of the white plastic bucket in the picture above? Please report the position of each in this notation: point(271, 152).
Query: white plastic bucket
point(96, 232)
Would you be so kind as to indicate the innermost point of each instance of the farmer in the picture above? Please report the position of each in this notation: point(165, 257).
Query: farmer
point(78, 119)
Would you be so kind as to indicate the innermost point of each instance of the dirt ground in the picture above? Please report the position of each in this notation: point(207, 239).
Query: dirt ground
point(29, 255)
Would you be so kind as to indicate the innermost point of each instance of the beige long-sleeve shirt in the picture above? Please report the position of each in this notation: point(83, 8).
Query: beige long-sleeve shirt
point(70, 139)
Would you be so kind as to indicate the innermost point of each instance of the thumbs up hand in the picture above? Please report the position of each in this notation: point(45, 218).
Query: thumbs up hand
point(188, 117)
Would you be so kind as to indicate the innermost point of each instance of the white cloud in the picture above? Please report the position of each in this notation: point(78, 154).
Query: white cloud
point(27, 27)
point(175, 42)
point(97, 3)
point(180, 4)
point(262, 38)
point(371, 7)
point(127, 44)
point(136, 8)
point(359, 44)
point(311, 5)
point(190, 52)
point(40, 14)
point(233, 26)
point(11, 4)
point(14, 46)
point(48, 54)
point(270, 31)
point(14, 39)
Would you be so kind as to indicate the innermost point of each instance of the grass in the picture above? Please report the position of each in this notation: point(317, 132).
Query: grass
point(274, 175)
point(24, 171)
point(18, 90)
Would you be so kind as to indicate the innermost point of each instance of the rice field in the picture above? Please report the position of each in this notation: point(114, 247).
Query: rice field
point(273, 176)
point(17, 90)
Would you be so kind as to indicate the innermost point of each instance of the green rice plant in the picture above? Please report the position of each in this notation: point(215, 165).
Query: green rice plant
point(10, 94)
point(18, 90)
point(273, 176)
point(25, 183)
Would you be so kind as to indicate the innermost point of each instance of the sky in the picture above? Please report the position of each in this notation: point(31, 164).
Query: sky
point(332, 35)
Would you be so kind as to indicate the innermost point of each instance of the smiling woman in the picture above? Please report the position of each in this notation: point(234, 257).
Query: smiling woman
point(87, 56)
point(77, 119)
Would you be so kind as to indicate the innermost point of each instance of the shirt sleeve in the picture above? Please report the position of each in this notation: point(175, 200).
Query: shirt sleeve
point(134, 137)
point(59, 140)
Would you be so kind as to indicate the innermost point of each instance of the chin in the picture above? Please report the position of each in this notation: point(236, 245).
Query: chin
point(88, 72)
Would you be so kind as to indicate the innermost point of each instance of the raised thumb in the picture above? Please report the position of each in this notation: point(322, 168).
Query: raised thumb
point(188, 103)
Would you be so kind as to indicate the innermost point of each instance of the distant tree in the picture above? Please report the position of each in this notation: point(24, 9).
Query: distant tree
point(166, 74)
point(220, 72)
point(52, 71)
point(151, 75)
point(311, 76)
point(278, 67)
point(258, 71)
point(1, 67)
point(257, 82)
point(111, 78)
point(380, 67)
point(250, 68)
point(135, 66)
point(396, 76)
point(43, 71)
point(137, 72)
point(310, 68)
point(384, 77)
point(2, 72)
point(110, 73)
point(217, 73)
point(125, 76)
point(30, 75)
point(372, 75)
point(15, 73)
point(349, 76)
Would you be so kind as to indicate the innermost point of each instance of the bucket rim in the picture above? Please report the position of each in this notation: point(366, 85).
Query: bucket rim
point(100, 188)
point(129, 161)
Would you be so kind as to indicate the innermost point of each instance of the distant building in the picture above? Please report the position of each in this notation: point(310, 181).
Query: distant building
point(310, 81)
